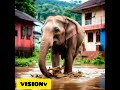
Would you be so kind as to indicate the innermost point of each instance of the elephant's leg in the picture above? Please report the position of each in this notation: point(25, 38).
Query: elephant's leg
point(55, 60)
point(68, 63)
point(70, 54)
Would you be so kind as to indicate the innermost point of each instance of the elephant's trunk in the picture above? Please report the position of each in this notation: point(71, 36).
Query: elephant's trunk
point(43, 51)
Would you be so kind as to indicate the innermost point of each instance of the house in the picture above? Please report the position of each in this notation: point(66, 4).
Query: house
point(37, 34)
point(93, 22)
point(24, 27)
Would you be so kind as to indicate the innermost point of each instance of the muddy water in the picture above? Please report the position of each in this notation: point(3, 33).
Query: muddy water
point(93, 84)
point(93, 78)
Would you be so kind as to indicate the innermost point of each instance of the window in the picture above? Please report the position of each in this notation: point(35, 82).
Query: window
point(16, 30)
point(88, 18)
point(22, 32)
point(90, 37)
point(16, 33)
point(28, 33)
point(98, 36)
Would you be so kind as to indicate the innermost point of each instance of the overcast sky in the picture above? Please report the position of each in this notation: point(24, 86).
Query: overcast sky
point(70, 0)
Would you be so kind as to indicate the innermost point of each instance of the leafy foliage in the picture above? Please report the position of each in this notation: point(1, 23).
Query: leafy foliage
point(47, 8)
point(48, 57)
point(31, 61)
point(27, 6)
point(55, 2)
point(98, 60)
point(41, 9)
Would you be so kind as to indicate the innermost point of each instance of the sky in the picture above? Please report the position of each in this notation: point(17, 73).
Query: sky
point(70, 0)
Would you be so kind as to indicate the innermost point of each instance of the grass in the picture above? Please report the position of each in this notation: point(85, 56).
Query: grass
point(31, 61)
point(98, 60)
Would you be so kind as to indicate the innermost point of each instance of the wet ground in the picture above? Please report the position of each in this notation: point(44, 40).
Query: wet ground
point(93, 78)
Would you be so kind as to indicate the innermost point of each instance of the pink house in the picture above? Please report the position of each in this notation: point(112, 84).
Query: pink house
point(93, 22)
point(24, 26)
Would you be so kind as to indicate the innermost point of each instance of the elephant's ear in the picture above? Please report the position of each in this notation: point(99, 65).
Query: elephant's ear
point(73, 28)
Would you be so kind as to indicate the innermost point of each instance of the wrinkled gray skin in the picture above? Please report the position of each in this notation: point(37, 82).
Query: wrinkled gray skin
point(56, 30)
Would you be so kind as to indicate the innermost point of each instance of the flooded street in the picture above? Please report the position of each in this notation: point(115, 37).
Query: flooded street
point(93, 78)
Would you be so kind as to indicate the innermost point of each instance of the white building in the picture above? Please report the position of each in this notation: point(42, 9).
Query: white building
point(37, 34)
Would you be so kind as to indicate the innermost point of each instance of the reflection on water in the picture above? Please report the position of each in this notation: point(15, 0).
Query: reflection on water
point(97, 83)
point(102, 83)
point(94, 84)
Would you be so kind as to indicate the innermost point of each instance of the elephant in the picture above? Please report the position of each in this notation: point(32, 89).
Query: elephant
point(63, 36)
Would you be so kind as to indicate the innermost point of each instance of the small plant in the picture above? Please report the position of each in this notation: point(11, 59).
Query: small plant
point(82, 61)
point(21, 63)
point(35, 53)
point(29, 61)
point(98, 60)
point(48, 57)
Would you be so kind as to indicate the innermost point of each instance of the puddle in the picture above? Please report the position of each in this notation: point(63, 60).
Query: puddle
point(92, 79)
point(92, 84)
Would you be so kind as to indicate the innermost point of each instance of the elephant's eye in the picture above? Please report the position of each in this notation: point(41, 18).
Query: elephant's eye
point(56, 30)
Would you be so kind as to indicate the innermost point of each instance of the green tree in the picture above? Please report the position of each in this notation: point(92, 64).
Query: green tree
point(46, 8)
point(77, 17)
point(27, 6)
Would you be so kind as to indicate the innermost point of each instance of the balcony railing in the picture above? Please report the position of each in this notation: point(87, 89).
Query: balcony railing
point(100, 20)
point(87, 22)
point(93, 21)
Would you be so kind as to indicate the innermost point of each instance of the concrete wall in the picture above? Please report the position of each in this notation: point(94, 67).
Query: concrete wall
point(91, 46)
point(98, 18)
point(37, 28)
point(98, 12)
point(26, 43)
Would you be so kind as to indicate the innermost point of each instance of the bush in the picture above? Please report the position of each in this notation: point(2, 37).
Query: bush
point(21, 63)
point(30, 61)
point(82, 61)
point(98, 60)
point(27, 61)
point(24, 62)
point(35, 53)
point(48, 57)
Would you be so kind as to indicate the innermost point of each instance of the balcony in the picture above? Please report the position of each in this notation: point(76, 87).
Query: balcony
point(94, 21)
point(100, 20)
point(87, 22)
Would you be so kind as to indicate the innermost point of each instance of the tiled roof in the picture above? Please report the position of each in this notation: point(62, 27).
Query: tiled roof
point(24, 16)
point(88, 4)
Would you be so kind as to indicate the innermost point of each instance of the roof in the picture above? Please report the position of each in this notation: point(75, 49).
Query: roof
point(25, 16)
point(88, 4)
point(38, 23)
point(35, 32)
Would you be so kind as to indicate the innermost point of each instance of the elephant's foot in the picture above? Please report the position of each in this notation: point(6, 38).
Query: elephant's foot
point(60, 75)
point(55, 70)
point(75, 75)
point(58, 68)
point(56, 73)
point(67, 70)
